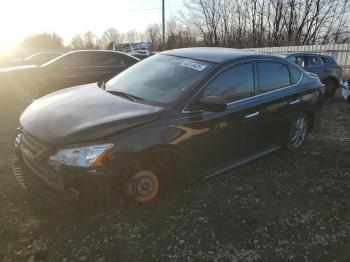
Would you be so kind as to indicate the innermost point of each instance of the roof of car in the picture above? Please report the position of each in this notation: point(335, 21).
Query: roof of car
point(94, 51)
point(102, 51)
point(212, 54)
point(303, 53)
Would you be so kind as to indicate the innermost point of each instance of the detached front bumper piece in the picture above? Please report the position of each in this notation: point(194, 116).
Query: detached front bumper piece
point(47, 176)
point(30, 171)
point(24, 176)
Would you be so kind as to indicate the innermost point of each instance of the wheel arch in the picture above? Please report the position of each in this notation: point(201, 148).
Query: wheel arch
point(171, 150)
point(331, 78)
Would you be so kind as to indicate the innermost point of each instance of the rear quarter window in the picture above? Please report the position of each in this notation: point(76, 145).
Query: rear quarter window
point(316, 61)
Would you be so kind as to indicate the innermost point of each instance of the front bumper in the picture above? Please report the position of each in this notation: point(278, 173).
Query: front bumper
point(29, 167)
point(49, 177)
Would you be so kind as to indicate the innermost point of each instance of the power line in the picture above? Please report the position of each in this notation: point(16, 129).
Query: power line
point(149, 9)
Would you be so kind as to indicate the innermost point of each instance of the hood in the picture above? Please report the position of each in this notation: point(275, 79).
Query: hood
point(83, 113)
point(17, 68)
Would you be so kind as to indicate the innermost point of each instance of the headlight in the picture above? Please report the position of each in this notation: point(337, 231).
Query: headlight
point(84, 156)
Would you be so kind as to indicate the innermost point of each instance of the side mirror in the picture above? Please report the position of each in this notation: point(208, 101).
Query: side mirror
point(212, 104)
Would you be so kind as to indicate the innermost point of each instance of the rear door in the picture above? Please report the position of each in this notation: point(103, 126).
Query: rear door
point(277, 99)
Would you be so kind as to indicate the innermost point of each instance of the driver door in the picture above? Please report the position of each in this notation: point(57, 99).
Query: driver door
point(222, 138)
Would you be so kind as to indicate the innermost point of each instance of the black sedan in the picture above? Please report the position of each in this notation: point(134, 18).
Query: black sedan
point(35, 59)
point(74, 68)
point(197, 113)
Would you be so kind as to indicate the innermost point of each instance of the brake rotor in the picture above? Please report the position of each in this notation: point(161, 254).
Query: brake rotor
point(144, 186)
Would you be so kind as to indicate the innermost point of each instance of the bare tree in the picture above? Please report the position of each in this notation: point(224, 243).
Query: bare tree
point(44, 40)
point(153, 35)
point(90, 40)
point(132, 36)
point(254, 23)
point(77, 42)
point(237, 23)
point(109, 36)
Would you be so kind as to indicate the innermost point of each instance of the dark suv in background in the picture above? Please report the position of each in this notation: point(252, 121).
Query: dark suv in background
point(324, 66)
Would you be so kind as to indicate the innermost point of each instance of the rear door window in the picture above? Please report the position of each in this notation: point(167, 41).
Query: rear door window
point(300, 60)
point(106, 59)
point(233, 84)
point(73, 60)
point(272, 75)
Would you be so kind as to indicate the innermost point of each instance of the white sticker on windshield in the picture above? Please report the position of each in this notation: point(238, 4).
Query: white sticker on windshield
point(194, 66)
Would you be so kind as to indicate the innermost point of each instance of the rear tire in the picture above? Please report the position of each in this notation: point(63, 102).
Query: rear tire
point(298, 132)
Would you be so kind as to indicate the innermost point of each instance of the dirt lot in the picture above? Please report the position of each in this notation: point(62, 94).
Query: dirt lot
point(284, 207)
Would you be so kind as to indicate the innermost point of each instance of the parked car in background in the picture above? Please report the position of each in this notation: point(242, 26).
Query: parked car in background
point(35, 59)
point(324, 66)
point(197, 113)
point(140, 50)
point(74, 68)
point(141, 56)
point(345, 86)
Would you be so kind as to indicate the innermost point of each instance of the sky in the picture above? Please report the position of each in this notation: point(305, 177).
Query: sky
point(20, 18)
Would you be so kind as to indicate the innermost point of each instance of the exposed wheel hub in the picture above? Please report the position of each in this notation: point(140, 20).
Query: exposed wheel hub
point(143, 186)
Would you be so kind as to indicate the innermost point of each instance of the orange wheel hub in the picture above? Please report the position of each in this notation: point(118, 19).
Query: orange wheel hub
point(143, 186)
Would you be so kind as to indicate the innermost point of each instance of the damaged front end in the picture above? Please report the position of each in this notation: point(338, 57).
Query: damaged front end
point(67, 170)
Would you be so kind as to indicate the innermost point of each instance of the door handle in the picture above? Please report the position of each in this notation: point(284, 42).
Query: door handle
point(252, 115)
point(293, 102)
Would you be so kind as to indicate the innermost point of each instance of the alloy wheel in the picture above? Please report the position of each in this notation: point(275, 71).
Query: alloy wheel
point(299, 132)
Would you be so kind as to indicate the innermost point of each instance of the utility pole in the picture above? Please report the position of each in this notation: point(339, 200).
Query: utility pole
point(163, 24)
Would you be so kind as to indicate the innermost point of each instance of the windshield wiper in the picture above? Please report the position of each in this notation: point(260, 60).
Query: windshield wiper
point(121, 94)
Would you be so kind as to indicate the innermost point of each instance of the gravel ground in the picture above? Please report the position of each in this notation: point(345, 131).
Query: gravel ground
point(288, 206)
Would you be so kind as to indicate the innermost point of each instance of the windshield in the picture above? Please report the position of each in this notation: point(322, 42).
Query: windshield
point(160, 79)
